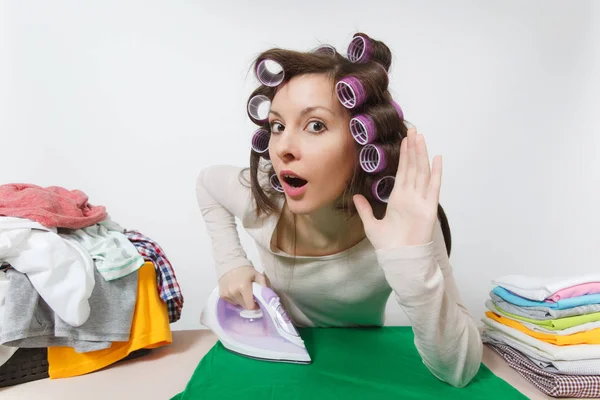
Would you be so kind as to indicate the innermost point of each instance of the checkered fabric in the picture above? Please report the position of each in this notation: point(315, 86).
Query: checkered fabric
point(168, 288)
point(552, 384)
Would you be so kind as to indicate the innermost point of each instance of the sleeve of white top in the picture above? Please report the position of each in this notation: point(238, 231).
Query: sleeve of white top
point(446, 336)
point(221, 198)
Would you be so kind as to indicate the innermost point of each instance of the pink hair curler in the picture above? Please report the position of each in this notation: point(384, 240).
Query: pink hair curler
point(360, 49)
point(398, 109)
point(350, 92)
point(275, 184)
point(372, 158)
point(382, 188)
point(259, 106)
point(325, 49)
point(269, 73)
point(260, 142)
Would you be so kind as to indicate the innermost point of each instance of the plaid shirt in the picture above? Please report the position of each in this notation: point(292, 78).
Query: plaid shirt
point(168, 288)
point(552, 384)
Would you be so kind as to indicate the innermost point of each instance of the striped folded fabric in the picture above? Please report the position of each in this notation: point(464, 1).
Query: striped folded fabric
point(555, 385)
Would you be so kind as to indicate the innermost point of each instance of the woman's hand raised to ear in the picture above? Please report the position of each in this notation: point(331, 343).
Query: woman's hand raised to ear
point(412, 207)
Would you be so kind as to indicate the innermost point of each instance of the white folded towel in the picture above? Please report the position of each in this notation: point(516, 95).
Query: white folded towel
point(540, 288)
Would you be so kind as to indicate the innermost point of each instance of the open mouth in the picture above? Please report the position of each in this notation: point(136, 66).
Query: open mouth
point(294, 181)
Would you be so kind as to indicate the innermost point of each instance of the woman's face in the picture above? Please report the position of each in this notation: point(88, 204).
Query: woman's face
point(311, 148)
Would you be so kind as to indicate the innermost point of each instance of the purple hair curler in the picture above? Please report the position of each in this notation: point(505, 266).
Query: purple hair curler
point(325, 49)
point(372, 158)
point(275, 184)
point(350, 92)
point(260, 142)
point(382, 188)
point(360, 49)
point(269, 73)
point(363, 129)
point(259, 106)
point(398, 109)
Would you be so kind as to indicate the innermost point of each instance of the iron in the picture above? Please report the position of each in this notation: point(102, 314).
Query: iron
point(265, 334)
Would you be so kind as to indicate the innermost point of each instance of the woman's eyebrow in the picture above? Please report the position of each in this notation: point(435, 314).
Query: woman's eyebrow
point(305, 111)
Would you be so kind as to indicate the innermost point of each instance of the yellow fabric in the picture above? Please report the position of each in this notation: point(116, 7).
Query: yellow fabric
point(586, 337)
point(149, 329)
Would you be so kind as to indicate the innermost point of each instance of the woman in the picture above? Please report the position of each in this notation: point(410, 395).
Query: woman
point(343, 206)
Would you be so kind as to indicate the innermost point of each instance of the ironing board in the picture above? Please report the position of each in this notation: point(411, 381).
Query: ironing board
point(167, 370)
point(347, 364)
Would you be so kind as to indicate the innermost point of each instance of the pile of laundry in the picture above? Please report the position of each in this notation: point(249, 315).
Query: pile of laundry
point(78, 284)
point(548, 330)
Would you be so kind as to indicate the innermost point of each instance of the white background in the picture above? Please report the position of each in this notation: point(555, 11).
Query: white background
point(129, 100)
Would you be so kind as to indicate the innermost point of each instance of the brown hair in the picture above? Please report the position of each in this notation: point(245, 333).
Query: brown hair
point(372, 73)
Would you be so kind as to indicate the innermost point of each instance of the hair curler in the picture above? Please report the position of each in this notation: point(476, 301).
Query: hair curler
point(260, 142)
point(325, 49)
point(259, 106)
point(398, 109)
point(275, 184)
point(382, 188)
point(269, 73)
point(363, 129)
point(372, 158)
point(360, 49)
point(350, 92)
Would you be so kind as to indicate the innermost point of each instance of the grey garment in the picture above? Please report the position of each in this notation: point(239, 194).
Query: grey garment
point(30, 322)
point(542, 313)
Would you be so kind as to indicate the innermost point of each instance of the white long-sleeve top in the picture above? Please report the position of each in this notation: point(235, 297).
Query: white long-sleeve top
point(349, 288)
point(60, 270)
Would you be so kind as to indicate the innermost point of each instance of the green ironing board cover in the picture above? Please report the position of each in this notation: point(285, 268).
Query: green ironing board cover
point(361, 363)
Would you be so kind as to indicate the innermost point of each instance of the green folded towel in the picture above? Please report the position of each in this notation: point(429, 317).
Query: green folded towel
point(371, 363)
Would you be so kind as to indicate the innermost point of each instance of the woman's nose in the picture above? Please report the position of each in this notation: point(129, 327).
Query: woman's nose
point(286, 146)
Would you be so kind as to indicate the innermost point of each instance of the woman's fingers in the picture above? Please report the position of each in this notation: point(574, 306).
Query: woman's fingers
point(423, 169)
point(403, 162)
point(411, 172)
point(435, 183)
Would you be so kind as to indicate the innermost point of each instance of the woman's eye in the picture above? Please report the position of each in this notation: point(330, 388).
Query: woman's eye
point(316, 126)
point(276, 127)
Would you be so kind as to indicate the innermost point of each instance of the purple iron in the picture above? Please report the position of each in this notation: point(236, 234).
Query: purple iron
point(372, 158)
point(269, 72)
point(350, 92)
point(276, 184)
point(265, 334)
point(260, 142)
point(382, 188)
point(360, 50)
point(363, 129)
point(259, 106)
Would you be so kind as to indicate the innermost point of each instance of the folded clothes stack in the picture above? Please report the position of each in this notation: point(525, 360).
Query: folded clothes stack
point(76, 283)
point(548, 329)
